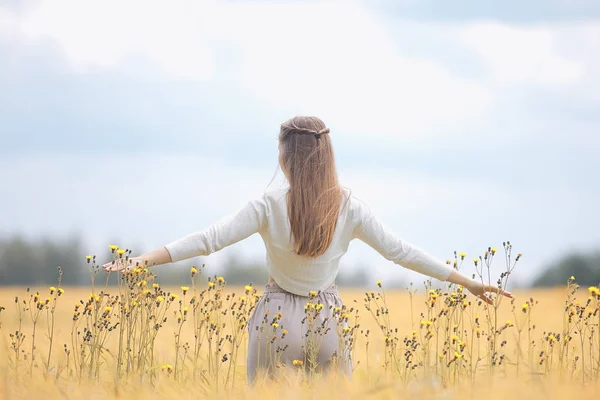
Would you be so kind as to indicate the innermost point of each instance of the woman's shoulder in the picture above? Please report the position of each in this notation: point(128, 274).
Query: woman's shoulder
point(355, 206)
point(275, 194)
point(274, 198)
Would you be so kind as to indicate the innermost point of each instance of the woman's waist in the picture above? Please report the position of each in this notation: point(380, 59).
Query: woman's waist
point(273, 287)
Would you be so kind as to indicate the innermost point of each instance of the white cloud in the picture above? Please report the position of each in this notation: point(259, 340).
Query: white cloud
point(522, 54)
point(141, 37)
point(336, 59)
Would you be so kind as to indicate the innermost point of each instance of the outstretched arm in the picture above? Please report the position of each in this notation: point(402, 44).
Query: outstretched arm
point(154, 257)
point(477, 288)
point(370, 230)
point(249, 220)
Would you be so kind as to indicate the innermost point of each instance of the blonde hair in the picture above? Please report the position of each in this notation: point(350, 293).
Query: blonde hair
point(314, 197)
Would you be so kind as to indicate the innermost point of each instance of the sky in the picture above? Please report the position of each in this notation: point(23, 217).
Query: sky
point(462, 124)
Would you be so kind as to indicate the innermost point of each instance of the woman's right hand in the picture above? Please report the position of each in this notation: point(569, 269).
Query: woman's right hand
point(480, 290)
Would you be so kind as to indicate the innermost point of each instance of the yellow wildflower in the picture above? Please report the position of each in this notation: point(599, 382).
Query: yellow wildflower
point(312, 293)
point(193, 271)
point(167, 367)
point(121, 252)
point(52, 289)
point(297, 363)
point(185, 289)
point(113, 247)
point(275, 325)
point(160, 299)
point(248, 288)
point(211, 285)
point(220, 279)
point(378, 283)
point(462, 255)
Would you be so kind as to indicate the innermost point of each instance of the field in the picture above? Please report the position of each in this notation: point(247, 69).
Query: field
point(106, 342)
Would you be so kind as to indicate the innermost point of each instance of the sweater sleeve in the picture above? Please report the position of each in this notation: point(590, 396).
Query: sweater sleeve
point(371, 230)
point(249, 220)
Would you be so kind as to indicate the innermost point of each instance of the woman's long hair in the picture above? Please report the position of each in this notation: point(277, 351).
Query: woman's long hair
point(314, 198)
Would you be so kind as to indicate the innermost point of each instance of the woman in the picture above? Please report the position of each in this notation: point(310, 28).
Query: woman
point(306, 230)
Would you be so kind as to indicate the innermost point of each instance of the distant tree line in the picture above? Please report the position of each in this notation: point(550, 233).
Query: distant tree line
point(584, 267)
point(33, 262)
point(27, 262)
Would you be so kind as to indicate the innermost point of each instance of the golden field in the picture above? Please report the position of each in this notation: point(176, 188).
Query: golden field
point(114, 342)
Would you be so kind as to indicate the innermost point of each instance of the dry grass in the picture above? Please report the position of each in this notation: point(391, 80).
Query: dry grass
point(420, 342)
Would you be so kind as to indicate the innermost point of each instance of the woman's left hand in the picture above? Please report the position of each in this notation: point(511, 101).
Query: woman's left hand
point(121, 264)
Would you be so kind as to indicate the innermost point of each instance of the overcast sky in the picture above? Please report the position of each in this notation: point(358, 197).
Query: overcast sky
point(461, 124)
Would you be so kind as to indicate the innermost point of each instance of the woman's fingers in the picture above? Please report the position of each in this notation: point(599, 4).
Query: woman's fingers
point(121, 265)
point(115, 266)
point(498, 290)
point(112, 266)
point(486, 298)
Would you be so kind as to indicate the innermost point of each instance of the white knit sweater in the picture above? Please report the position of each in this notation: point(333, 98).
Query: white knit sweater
point(301, 274)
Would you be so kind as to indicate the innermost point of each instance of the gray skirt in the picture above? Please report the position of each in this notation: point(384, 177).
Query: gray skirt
point(288, 331)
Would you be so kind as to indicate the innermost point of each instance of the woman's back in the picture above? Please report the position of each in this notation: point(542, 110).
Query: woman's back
point(297, 273)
